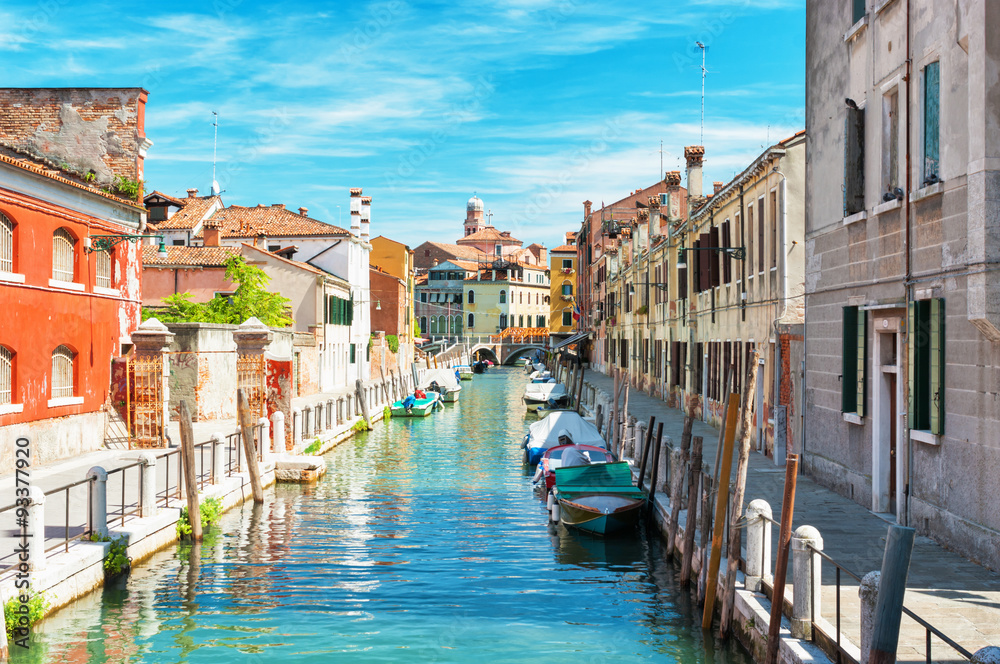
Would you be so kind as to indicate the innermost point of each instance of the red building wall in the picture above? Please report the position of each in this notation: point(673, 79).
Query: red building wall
point(40, 317)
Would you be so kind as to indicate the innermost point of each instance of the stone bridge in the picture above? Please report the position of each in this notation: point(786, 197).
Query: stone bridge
point(503, 353)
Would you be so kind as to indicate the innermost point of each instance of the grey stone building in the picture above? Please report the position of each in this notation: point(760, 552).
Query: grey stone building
point(902, 249)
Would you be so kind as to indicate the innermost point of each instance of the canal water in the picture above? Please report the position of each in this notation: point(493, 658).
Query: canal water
point(423, 543)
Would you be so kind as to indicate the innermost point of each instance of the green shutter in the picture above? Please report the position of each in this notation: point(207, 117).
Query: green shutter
point(937, 366)
point(932, 113)
point(862, 367)
point(849, 367)
point(352, 353)
point(911, 357)
point(349, 305)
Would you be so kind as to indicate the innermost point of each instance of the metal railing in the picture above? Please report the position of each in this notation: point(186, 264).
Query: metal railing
point(234, 445)
point(136, 507)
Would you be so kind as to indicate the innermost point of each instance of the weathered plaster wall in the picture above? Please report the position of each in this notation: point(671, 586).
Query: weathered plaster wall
point(54, 439)
point(202, 283)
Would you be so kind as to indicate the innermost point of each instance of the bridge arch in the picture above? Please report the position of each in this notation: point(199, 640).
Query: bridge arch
point(483, 352)
point(512, 355)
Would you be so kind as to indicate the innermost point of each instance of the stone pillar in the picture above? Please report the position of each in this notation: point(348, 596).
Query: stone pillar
point(637, 446)
point(307, 423)
point(340, 411)
point(758, 544)
point(278, 427)
point(251, 337)
point(320, 421)
point(662, 474)
point(868, 592)
point(329, 414)
point(265, 439)
point(296, 430)
point(99, 504)
point(219, 454)
point(151, 341)
point(807, 581)
point(780, 435)
point(987, 655)
point(147, 490)
point(36, 529)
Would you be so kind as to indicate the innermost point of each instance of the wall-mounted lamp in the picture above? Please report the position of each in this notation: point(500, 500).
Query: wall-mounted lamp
point(739, 253)
point(378, 305)
point(107, 242)
point(662, 285)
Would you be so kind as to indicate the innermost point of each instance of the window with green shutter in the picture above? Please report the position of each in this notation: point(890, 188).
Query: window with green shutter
point(932, 116)
point(353, 351)
point(854, 376)
point(925, 363)
point(857, 11)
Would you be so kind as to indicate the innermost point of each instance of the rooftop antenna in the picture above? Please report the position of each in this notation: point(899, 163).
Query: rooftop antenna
point(215, 148)
point(660, 175)
point(702, 47)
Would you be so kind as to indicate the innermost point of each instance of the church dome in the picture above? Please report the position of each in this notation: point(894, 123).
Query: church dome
point(474, 204)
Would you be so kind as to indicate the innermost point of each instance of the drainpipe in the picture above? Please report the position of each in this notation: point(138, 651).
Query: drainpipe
point(904, 426)
point(784, 297)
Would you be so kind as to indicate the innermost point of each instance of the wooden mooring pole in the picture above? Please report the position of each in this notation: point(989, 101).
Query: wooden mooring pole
point(645, 451)
point(781, 563)
point(656, 464)
point(892, 585)
point(677, 487)
point(249, 450)
point(694, 474)
point(190, 474)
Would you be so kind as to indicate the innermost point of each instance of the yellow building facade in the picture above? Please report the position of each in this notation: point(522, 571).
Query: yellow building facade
point(563, 284)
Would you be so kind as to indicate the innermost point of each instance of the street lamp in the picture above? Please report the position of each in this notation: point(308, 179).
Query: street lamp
point(107, 242)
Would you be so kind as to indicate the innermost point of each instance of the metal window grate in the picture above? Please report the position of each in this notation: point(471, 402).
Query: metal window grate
point(6, 244)
point(62, 372)
point(6, 375)
point(103, 269)
point(62, 255)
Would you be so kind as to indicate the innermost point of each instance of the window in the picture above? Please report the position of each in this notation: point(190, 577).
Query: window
point(760, 234)
point(890, 142)
point(713, 257)
point(6, 375)
point(103, 260)
point(498, 249)
point(858, 11)
point(520, 320)
point(472, 321)
point(503, 297)
point(423, 324)
point(855, 361)
point(567, 263)
point(537, 298)
point(423, 297)
point(62, 372)
point(774, 228)
point(854, 161)
point(62, 255)
point(925, 343)
point(354, 349)
point(178, 243)
point(6, 245)
point(541, 321)
point(520, 297)
point(503, 321)
point(567, 288)
point(727, 259)
point(472, 299)
point(932, 112)
point(567, 318)
point(749, 254)
point(273, 247)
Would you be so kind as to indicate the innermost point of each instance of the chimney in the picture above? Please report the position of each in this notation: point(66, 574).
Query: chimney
point(356, 211)
point(366, 217)
point(672, 178)
point(260, 241)
point(693, 155)
point(192, 193)
point(278, 205)
point(586, 209)
point(717, 186)
point(210, 233)
point(303, 211)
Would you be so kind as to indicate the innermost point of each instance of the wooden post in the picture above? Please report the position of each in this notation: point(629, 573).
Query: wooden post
point(710, 502)
point(736, 508)
point(599, 416)
point(579, 388)
point(656, 462)
point(694, 473)
point(722, 486)
point(246, 427)
point(363, 402)
point(889, 606)
point(624, 417)
point(707, 504)
point(190, 474)
point(781, 563)
point(613, 420)
point(645, 451)
point(678, 485)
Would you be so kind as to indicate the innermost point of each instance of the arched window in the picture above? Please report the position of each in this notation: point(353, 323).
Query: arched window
point(503, 298)
point(456, 324)
point(423, 324)
point(62, 255)
point(503, 320)
point(434, 324)
point(536, 298)
point(103, 269)
point(567, 288)
point(472, 321)
point(6, 245)
point(520, 320)
point(520, 297)
point(472, 296)
point(62, 372)
point(6, 375)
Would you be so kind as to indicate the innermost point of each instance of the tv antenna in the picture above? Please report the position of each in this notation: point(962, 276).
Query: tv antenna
point(215, 150)
point(703, 71)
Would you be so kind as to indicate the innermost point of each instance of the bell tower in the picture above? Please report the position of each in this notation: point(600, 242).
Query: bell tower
point(474, 216)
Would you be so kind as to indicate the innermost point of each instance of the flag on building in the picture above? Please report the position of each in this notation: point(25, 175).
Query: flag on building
point(576, 312)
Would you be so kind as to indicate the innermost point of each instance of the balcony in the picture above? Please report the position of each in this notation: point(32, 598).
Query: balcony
point(567, 270)
point(566, 298)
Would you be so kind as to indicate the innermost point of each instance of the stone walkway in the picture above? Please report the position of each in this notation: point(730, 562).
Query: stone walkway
point(958, 597)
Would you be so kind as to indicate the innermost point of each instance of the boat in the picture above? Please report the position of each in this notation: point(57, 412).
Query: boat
point(538, 394)
point(545, 476)
point(532, 367)
point(545, 409)
point(542, 377)
point(464, 371)
point(598, 498)
point(420, 408)
point(446, 384)
point(545, 434)
point(480, 367)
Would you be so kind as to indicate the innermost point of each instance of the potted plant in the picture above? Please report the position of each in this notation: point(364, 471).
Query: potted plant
point(642, 310)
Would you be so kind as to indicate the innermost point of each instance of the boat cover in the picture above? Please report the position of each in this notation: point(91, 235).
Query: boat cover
point(544, 391)
point(443, 377)
point(544, 434)
point(538, 366)
point(596, 478)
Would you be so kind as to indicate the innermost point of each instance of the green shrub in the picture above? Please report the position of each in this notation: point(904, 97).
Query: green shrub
point(393, 341)
point(211, 510)
point(386, 413)
point(313, 447)
point(361, 425)
point(116, 560)
point(37, 606)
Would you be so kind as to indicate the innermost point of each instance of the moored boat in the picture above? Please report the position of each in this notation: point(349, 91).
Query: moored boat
point(443, 382)
point(419, 408)
point(464, 371)
point(552, 459)
point(537, 394)
point(598, 498)
point(542, 377)
point(559, 428)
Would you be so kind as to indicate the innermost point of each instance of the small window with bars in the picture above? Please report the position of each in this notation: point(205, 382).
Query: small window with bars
point(62, 255)
point(62, 372)
point(6, 244)
point(103, 269)
point(6, 375)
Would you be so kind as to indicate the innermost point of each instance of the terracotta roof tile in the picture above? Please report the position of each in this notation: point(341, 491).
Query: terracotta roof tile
point(194, 256)
point(274, 221)
point(41, 167)
point(189, 216)
point(488, 234)
point(564, 247)
point(180, 202)
point(457, 251)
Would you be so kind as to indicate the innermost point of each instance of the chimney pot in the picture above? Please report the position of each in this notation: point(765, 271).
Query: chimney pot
point(586, 208)
point(192, 193)
point(303, 211)
point(717, 186)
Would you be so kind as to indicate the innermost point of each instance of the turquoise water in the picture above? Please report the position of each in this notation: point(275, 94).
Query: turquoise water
point(423, 543)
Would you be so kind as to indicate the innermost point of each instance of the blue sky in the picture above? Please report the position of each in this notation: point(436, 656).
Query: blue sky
point(536, 105)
